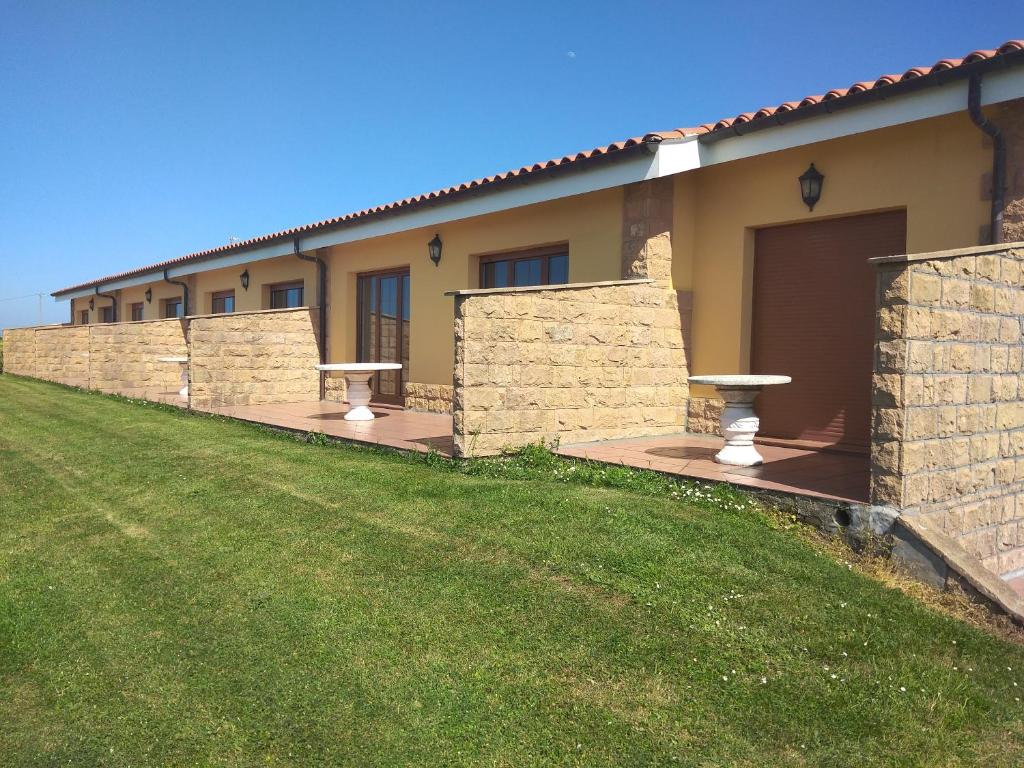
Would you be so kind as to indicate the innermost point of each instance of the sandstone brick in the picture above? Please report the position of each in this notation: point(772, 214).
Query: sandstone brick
point(925, 289)
point(887, 489)
point(894, 285)
point(956, 294)
point(982, 297)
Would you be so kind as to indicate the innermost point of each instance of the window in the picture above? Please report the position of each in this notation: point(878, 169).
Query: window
point(106, 314)
point(137, 310)
point(286, 295)
point(83, 317)
point(172, 307)
point(223, 302)
point(542, 266)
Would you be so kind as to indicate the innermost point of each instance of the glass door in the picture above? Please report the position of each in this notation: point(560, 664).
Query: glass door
point(383, 329)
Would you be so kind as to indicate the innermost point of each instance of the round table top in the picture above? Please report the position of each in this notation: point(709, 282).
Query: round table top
point(172, 359)
point(739, 380)
point(359, 367)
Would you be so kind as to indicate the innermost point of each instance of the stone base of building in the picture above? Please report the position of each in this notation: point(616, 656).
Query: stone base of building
point(704, 415)
point(334, 389)
point(430, 398)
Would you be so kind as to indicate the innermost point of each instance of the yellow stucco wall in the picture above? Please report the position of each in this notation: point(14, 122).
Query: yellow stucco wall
point(262, 274)
point(932, 168)
point(591, 224)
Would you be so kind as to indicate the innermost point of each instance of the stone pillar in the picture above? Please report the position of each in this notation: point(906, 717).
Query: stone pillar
point(647, 230)
point(1009, 116)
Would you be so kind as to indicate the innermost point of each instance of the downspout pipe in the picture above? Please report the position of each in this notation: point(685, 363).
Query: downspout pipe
point(184, 293)
point(113, 303)
point(321, 300)
point(991, 130)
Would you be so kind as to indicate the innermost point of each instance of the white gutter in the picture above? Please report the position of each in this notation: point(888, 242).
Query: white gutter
point(671, 157)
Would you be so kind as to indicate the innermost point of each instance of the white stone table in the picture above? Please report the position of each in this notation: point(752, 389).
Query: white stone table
point(739, 422)
point(357, 385)
point(183, 362)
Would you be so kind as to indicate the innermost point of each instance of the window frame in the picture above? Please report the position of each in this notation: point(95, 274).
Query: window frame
point(173, 301)
point(285, 287)
point(221, 296)
point(139, 306)
point(106, 314)
point(83, 317)
point(544, 253)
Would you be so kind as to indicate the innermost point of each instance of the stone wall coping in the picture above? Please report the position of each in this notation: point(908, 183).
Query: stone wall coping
point(39, 327)
point(535, 288)
point(950, 254)
point(279, 311)
point(160, 319)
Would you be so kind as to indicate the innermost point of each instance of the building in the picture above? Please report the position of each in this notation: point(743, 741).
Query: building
point(864, 241)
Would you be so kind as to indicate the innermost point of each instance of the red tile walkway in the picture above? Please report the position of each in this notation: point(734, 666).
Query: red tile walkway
point(393, 427)
point(824, 474)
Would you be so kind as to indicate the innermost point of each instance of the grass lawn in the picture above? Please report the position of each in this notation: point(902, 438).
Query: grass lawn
point(185, 590)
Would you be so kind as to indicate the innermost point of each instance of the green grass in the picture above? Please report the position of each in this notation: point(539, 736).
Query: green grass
point(184, 590)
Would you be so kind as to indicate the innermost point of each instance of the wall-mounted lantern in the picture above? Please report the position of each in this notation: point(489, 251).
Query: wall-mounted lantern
point(149, 295)
point(92, 303)
point(810, 186)
point(244, 278)
point(434, 248)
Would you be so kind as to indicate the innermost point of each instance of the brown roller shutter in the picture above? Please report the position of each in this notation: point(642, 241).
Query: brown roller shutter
point(814, 319)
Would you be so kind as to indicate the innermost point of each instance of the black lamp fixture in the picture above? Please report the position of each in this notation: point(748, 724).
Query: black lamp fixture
point(92, 303)
point(434, 247)
point(810, 186)
point(244, 277)
point(149, 295)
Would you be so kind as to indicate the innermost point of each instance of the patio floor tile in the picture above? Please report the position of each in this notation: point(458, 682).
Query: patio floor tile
point(394, 427)
point(825, 474)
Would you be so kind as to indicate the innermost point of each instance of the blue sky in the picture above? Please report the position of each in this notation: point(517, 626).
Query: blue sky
point(136, 132)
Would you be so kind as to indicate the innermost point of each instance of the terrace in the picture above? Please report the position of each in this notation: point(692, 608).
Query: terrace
point(832, 476)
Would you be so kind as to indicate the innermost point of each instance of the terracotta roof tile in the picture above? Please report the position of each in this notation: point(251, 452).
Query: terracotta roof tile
point(511, 176)
point(943, 65)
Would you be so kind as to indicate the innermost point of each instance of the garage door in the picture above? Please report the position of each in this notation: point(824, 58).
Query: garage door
point(814, 310)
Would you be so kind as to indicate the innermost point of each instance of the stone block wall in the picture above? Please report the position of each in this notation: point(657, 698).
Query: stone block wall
point(249, 358)
point(62, 354)
point(112, 357)
point(948, 397)
point(123, 356)
point(20, 351)
point(567, 363)
point(432, 398)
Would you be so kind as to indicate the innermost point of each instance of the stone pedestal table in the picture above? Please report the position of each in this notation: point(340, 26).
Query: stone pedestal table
point(739, 422)
point(183, 362)
point(357, 385)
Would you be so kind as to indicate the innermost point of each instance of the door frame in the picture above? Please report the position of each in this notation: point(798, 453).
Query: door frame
point(399, 272)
